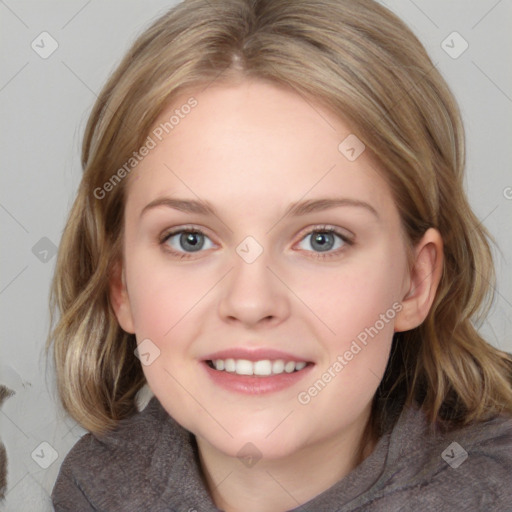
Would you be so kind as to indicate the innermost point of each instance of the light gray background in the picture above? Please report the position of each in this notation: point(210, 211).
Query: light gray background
point(44, 106)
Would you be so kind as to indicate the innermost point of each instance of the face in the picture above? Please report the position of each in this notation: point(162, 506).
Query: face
point(300, 260)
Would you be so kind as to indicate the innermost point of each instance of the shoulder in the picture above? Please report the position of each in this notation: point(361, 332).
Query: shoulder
point(469, 467)
point(136, 434)
point(98, 468)
point(475, 466)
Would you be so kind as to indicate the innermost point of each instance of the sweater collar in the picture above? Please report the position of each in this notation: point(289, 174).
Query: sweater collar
point(185, 482)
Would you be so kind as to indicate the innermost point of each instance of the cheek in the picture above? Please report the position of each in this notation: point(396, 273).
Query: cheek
point(355, 296)
point(169, 300)
point(159, 296)
point(365, 318)
point(358, 303)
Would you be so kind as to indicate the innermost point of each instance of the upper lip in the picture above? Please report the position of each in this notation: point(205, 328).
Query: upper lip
point(257, 354)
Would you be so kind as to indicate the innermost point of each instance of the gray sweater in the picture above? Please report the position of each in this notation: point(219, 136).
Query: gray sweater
point(150, 463)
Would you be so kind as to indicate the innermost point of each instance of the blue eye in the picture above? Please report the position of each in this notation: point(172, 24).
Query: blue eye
point(187, 240)
point(325, 242)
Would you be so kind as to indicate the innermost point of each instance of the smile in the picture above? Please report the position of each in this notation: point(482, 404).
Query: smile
point(261, 368)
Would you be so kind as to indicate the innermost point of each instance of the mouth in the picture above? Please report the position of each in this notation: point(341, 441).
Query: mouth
point(256, 371)
point(260, 368)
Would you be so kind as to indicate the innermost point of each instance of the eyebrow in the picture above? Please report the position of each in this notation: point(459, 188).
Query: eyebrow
point(295, 209)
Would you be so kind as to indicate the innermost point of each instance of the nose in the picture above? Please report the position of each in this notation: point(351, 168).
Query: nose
point(253, 295)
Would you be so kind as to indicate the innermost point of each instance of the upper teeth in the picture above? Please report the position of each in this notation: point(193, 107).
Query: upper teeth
point(263, 367)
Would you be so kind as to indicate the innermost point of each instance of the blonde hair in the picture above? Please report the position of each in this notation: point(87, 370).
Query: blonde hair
point(364, 64)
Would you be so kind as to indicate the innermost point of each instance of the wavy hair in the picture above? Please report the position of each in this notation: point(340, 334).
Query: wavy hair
point(364, 64)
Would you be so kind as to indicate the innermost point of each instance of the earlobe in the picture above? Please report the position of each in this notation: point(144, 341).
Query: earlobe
point(120, 300)
point(425, 276)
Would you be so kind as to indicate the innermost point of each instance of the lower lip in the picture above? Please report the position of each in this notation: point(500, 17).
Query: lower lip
point(255, 384)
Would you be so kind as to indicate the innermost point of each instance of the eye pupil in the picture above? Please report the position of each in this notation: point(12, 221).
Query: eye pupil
point(324, 239)
point(191, 241)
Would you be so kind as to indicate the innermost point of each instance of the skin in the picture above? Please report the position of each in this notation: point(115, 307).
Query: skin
point(250, 150)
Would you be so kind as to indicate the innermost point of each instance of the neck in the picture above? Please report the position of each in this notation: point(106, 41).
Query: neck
point(278, 485)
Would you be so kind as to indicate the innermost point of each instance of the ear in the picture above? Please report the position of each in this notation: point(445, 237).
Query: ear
point(119, 298)
point(422, 283)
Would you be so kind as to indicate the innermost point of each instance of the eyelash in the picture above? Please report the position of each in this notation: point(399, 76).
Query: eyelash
point(316, 229)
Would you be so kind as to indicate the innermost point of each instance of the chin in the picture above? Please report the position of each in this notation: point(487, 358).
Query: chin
point(252, 446)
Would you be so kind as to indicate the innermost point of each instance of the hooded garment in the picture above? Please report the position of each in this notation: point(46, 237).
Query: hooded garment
point(151, 463)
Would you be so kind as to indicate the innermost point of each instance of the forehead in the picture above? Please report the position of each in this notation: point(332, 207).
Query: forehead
point(253, 144)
